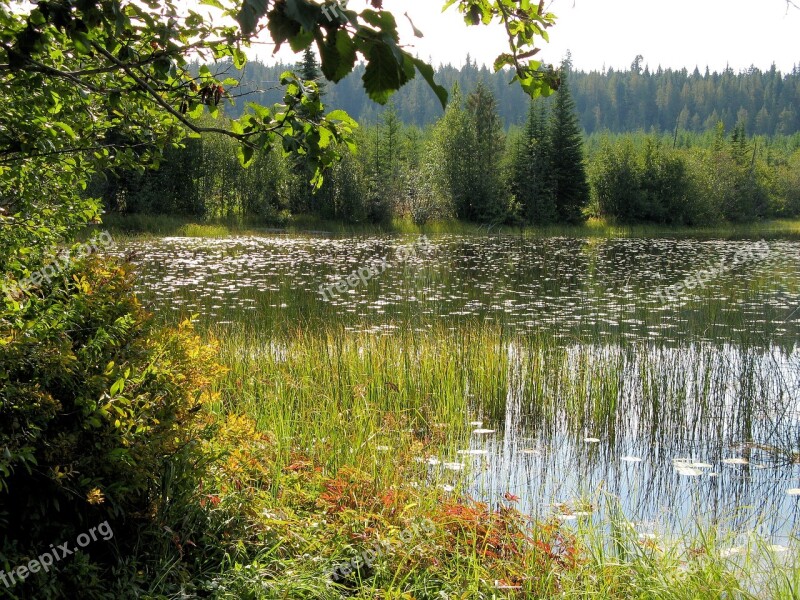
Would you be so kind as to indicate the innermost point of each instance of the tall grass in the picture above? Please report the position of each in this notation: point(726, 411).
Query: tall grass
point(381, 406)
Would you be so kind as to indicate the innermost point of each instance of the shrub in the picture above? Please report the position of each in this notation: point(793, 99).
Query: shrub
point(100, 414)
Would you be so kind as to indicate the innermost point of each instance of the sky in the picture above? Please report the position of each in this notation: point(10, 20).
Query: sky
point(610, 33)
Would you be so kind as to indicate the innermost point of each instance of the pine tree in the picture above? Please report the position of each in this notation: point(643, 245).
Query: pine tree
point(487, 202)
point(530, 180)
point(390, 150)
point(309, 70)
point(568, 172)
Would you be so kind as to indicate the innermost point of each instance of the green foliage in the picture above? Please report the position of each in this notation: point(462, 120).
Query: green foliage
point(649, 184)
point(99, 415)
point(467, 147)
point(640, 179)
point(130, 64)
point(567, 173)
point(524, 22)
point(530, 177)
point(204, 179)
point(616, 181)
point(342, 35)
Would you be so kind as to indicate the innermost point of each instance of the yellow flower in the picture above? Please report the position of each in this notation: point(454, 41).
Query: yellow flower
point(95, 496)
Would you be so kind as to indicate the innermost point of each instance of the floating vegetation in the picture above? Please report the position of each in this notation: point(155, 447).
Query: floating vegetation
point(688, 471)
point(631, 459)
point(453, 466)
point(594, 290)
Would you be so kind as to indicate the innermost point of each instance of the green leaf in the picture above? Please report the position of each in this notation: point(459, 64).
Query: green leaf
point(281, 27)
point(250, 13)
point(81, 42)
point(503, 60)
point(382, 20)
point(245, 155)
point(303, 12)
point(427, 73)
point(338, 115)
point(239, 58)
point(117, 387)
point(196, 111)
point(338, 56)
point(382, 74)
point(66, 129)
point(301, 40)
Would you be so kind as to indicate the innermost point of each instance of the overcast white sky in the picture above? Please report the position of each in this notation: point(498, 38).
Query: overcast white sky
point(610, 33)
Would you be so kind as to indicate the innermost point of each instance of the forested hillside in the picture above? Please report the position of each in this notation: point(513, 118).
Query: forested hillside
point(639, 98)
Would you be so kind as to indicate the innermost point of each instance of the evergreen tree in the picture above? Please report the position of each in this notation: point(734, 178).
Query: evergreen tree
point(487, 202)
point(618, 101)
point(309, 70)
point(530, 179)
point(451, 142)
point(568, 173)
point(308, 200)
point(390, 150)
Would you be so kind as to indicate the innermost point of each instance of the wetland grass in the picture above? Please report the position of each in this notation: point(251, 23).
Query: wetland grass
point(367, 431)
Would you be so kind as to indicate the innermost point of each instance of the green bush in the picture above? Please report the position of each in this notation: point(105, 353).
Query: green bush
point(100, 417)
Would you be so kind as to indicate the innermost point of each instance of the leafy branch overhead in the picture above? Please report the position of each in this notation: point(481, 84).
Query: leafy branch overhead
point(524, 23)
point(342, 36)
point(110, 80)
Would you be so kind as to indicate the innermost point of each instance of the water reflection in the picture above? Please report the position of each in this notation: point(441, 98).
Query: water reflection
point(587, 289)
point(703, 432)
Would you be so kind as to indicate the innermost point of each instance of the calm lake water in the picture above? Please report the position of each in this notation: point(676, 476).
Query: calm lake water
point(701, 421)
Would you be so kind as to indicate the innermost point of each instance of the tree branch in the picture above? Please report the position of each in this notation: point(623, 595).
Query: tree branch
point(144, 85)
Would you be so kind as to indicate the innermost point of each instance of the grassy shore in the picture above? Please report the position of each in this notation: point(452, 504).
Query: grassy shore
point(164, 225)
point(329, 440)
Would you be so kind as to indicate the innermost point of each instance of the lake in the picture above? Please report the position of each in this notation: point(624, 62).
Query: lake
point(622, 391)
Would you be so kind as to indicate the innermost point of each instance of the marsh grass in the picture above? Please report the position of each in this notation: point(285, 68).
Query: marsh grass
point(360, 426)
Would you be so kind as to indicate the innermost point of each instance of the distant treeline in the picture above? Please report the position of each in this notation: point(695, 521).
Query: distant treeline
point(637, 99)
point(467, 166)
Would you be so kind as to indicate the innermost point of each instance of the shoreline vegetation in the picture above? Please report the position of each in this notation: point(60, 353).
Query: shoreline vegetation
point(153, 226)
point(329, 407)
point(471, 166)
